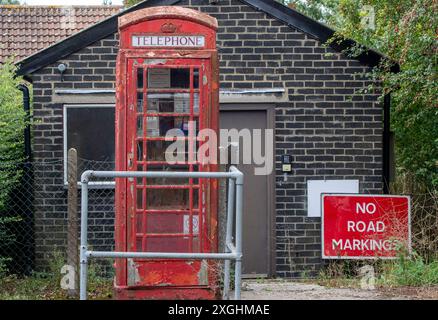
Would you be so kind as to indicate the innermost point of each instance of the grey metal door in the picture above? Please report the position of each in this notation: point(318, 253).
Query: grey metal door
point(256, 211)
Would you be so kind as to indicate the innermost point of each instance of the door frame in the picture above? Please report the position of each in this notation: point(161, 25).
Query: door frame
point(270, 124)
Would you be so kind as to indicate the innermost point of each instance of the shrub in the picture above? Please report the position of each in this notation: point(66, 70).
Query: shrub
point(410, 271)
point(12, 124)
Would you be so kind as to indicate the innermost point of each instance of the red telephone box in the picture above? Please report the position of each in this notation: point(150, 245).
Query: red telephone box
point(167, 78)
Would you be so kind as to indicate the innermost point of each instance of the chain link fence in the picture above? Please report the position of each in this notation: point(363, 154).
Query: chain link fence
point(34, 218)
point(34, 225)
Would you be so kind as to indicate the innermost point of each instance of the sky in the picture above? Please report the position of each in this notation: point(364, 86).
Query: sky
point(68, 2)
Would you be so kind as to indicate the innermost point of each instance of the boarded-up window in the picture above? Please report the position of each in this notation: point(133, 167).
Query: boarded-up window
point(90, 130)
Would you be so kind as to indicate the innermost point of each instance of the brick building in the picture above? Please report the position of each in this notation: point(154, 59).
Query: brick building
point(275, 69)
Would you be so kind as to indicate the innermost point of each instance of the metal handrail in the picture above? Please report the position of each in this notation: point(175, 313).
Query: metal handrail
point(233, 252)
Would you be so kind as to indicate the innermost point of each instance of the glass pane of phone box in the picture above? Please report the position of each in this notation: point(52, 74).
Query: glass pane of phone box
point(172, 103)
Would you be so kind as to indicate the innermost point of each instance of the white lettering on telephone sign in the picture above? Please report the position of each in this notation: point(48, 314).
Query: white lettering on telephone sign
point(168, 41)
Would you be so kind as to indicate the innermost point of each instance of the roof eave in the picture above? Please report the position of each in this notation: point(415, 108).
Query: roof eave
point(288, 16)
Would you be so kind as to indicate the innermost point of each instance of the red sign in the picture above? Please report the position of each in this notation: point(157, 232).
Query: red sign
point(364, 226)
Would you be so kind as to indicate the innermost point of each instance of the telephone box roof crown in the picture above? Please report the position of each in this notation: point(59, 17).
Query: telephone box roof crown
point(167, 12)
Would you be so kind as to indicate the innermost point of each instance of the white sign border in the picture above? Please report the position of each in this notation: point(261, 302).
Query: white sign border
point(139, 35)
point(323, 256)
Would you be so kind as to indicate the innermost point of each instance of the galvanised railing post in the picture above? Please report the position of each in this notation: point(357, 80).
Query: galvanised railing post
point(228, 237)
point(84, 235)
point(239, 222)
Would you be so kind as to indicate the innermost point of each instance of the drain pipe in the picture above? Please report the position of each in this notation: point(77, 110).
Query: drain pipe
point(26, 107)
point(27, 184)
point(386, 143)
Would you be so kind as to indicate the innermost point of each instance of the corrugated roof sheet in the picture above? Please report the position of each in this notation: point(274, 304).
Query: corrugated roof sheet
point(25, 30)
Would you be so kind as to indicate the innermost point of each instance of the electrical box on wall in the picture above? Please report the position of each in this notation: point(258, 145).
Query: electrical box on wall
point(286, 163)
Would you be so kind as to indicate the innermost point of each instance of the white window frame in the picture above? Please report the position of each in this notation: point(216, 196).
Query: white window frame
point(92, 184)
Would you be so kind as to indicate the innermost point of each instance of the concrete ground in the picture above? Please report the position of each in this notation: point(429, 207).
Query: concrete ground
point(288, 290)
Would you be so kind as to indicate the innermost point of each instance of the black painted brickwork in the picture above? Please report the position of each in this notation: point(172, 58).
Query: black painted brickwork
point(332, 130)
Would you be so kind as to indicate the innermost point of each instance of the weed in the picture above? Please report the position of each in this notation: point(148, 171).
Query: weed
point(46, 285)
point(409, 271)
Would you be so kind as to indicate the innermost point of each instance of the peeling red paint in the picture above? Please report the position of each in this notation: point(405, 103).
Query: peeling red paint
point(169, 279)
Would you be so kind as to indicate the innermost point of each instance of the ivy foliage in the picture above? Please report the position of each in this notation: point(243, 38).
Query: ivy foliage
point(9, 2)
point(12, 124)
point(130, 3)
point(405, 32)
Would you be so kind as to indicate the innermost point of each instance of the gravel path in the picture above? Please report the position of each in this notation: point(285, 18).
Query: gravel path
point(285, 290)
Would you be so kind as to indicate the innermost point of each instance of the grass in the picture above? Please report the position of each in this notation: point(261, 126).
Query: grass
point(411, 271)
point(38, 287)
point(402, 272)
point(408, 271)
point(339, 274)
point(46, 285)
